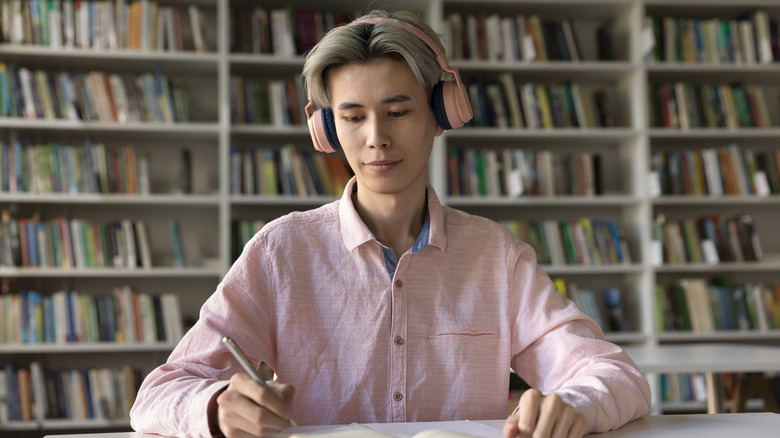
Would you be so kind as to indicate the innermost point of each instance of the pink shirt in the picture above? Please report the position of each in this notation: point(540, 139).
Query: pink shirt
point(311, 295)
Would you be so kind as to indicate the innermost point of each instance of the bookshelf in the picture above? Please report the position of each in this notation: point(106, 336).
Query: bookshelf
point(206, 215)
point(763, 208)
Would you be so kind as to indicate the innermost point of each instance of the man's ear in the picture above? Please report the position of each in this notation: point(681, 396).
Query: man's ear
point(439, 130)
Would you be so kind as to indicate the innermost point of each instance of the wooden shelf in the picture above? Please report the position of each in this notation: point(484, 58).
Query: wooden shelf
point(156, 272)
point(542, 201)
point(86, 348)
point(210, 213)
point(114, 199)
point(747, 201)
point(770, 263)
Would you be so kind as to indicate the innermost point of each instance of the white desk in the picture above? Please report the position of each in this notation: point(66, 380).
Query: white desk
point(755, 425)
point(706, 358)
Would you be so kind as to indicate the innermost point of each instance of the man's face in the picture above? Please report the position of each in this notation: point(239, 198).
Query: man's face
point(384, 123)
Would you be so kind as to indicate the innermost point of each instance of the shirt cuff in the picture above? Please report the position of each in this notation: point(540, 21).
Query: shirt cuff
point(198, 409)
point(581, 404)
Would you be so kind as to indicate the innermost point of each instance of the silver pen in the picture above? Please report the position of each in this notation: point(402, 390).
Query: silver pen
point(238, 353)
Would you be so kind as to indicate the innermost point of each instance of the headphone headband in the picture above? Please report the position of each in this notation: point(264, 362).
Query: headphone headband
point(441, 59)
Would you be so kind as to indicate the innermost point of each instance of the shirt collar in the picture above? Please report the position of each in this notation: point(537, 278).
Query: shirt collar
point(354, 231)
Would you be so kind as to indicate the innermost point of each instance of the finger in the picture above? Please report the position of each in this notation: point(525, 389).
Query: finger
point(286, 392)
point(578, 428)
point(234, 425)
point(278, 399)
point(550, 410)
point(239, 409)
point(234, 413)
point(565, 422)
point(530, 403)
point(510, 425)
point(265, 371)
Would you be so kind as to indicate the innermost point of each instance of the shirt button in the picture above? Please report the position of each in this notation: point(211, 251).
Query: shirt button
point(399, 340)
point(397, 396)
point(399, 283)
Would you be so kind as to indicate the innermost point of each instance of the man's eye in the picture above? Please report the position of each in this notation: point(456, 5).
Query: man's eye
point(398, 113)
point(352, 118)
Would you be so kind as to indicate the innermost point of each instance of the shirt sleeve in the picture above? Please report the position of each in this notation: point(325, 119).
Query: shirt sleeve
point(559, 349)
point(174, 397)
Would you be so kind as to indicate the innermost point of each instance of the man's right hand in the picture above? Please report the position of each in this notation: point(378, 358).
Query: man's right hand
point(246, 409)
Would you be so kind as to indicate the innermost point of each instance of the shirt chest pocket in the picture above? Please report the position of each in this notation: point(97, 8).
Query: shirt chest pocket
point(469, 346)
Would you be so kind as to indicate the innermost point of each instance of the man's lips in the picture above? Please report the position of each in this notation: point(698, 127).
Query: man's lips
point(380, 165)
point(382, 162)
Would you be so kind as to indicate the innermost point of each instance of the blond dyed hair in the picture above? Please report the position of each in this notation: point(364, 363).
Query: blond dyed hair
point(358, 43)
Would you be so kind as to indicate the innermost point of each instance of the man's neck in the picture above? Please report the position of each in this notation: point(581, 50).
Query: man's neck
point(395, 220)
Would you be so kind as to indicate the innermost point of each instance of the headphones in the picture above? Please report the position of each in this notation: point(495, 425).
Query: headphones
point(449, 101)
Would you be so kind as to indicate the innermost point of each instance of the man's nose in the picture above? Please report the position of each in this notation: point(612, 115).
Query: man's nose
point(378, 135)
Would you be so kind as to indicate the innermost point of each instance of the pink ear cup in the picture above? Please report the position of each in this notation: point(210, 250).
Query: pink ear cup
point(318, 136)
point(456, 101)
point(317, 131)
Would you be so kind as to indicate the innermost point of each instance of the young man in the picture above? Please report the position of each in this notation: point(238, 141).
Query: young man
point(386, 306)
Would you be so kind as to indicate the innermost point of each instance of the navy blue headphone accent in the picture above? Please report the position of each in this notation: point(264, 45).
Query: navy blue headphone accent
point(329, 123)
point(437, 103)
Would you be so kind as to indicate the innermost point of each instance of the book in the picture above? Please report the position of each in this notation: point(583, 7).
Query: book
point(142, 235)
point(4, 396)
point(749, 241)
point(616, 317)
point(129, 243)
point(178, 248)
point(196, 26)
point(357, 431)
point(172, 317)
point(38, 391)
point(185, 173)
point(604, 41)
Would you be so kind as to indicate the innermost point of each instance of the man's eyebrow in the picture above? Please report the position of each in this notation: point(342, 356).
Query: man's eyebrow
point(349, 105)
point(397, 98)
point(392, 99)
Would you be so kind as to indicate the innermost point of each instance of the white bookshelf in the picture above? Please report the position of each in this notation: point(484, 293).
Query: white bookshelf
point(89, 348)
point(206, 215)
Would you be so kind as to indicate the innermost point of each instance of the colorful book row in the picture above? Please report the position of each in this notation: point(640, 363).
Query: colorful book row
point(94, 96)
point(693, 304)
point(122, 316)
point(605, 308)
point(707, 239)
point(749, 39)
point(683, 387)
point(287, 171)
point(270, 102)
point(508, 103)
point(692, 387)
point(691, 106)
point(723, 171)
point(35, 393)
point(581, 242)
point(56, 168)
point(101, 25)
point(73, 243)
point(518, 172)
point(493, 37)
point(282, 31)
